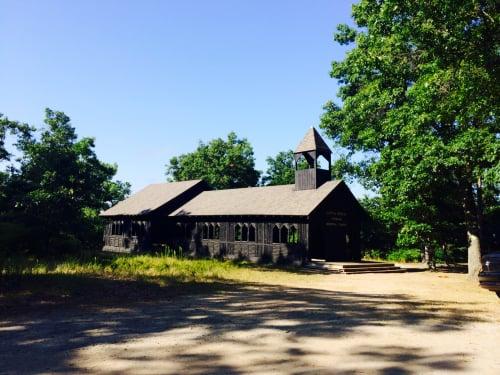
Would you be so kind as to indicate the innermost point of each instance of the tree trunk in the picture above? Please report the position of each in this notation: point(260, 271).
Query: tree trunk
point(473, 256)
point(429, 257)
point(473, 216)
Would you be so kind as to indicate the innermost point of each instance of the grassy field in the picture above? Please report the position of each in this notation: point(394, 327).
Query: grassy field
point(26, 280)
point(145, 267)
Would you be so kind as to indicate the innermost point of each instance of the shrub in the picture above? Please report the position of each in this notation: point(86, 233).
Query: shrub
point(374, 254)
point(405, 255)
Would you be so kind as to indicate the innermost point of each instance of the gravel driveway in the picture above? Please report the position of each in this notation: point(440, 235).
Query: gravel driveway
point(410, 323)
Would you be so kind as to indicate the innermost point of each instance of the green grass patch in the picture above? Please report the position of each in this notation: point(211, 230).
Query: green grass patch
point(395, 255)
point(134, 267)
point(130, 277)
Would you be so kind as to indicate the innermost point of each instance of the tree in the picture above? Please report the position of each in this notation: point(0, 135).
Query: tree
point(222, 163)
point(60, 186)
point(280, 170)
point(10, 127)
point(420, 93)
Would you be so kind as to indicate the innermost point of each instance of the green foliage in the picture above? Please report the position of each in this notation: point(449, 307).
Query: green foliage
point(13, 128)
point(168, 251)
point(280, 170)
point(222, 163)
point(420, 96)
point(54, 196)
point(293, 236)
point(161, 266)
point(405, 255)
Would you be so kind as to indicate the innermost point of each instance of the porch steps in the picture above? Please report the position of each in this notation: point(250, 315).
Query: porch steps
point(352, 268)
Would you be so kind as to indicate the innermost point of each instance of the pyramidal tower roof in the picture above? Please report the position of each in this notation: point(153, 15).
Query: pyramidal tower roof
point(312, 141)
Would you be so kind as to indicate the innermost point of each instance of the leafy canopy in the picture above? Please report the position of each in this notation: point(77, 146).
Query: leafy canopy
point(60, 185)
point(420, 92)
point(221, 163)
point(280, 170)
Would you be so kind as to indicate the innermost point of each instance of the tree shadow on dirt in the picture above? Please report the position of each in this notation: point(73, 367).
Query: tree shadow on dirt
point(268, 324)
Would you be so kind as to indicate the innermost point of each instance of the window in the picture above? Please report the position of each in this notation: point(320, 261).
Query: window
point(244, 233)
point(117, 228)
point(204, 234)
point(293, 235)
point(322, 162)
point(217, 232)
point(284, 234)
point(138, 228)
point(251, 233)
point(189, 228)
point(211, 231)
point(276, 234)
point(179, 230)
point(237, 232)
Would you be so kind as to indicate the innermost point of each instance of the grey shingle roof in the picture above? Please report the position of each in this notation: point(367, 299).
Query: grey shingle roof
point(281, 200)
point(312, 141)
point(150, 198)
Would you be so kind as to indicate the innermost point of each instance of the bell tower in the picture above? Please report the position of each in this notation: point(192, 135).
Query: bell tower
point(311, 148)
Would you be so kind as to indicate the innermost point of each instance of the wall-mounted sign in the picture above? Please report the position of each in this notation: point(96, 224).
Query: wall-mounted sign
point(336, 219)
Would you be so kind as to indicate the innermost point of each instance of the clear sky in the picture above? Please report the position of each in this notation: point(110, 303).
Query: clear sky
point(149, 79)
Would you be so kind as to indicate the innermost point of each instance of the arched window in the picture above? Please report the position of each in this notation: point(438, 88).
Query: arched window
point(284, 234)
point(276, 234)
point(251, 233)
point(302, 163)
point(244, 233)
point(322, 162)
point(204, 234)
point(179, 230)
point(237, 232)
point(293, 235)
point(217, 232)
point(211, 231)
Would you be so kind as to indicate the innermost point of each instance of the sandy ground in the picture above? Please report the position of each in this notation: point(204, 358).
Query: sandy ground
point(412, 323)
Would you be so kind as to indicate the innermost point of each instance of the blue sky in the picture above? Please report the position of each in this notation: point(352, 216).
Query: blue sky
point(149, 79)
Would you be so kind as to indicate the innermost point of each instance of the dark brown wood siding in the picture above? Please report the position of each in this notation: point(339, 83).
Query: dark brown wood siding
point(262, 249)
point(335, 227)
point(311, 178)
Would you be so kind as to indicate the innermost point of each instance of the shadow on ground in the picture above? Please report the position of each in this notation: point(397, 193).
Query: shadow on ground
point(247, 318)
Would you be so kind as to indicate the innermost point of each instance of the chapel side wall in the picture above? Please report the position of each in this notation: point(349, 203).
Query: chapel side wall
point(127, 241)
point(262, 249)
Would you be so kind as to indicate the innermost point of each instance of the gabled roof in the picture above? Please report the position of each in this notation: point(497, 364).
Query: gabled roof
point(150, 198)
point(281, 200)
point(312, 141)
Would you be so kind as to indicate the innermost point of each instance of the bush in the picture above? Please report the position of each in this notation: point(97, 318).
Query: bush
point(373, 254)
point(405, 255)
point(451, 255)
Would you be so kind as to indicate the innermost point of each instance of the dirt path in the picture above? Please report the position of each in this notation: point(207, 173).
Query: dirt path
point(410, 323)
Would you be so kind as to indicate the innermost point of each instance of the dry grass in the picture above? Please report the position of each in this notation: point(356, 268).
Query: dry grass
point(28, 281)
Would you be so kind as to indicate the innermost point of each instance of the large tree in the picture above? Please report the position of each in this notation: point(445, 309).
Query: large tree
point(59, 185)
point(419, 91)
point(9, 127)
point(222, 163)
point(280, 170)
